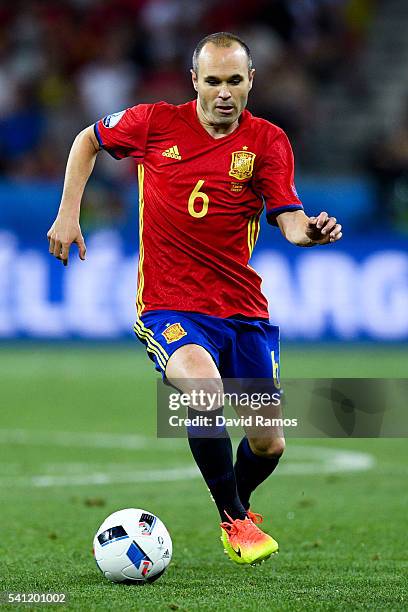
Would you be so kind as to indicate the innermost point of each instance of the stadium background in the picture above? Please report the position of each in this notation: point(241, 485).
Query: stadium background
point(331, 73)
point(77, 392)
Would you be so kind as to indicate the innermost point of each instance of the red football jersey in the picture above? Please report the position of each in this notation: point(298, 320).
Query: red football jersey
point(200, 199)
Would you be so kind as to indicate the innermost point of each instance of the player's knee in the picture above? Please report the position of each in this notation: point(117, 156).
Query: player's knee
point(268, 447)
point(192, 370)
point(209, 395)
point(206, 409)
point(190, 362)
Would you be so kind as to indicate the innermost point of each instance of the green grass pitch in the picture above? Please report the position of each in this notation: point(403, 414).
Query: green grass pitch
point(71, 412)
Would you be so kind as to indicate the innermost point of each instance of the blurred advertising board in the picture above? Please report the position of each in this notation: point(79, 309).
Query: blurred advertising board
point(354, 290)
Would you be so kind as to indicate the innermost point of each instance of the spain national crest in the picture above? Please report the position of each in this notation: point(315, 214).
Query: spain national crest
point(242, 164)
point(174, 332)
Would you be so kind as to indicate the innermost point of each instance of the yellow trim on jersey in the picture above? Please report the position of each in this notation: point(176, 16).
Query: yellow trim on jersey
point(249, 236)
point(258, 228)
point(140, 287)
point(254, 226)
point(253, 231)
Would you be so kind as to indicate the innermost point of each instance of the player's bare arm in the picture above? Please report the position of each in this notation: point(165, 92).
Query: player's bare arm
point(305, 231)
point(66, 229)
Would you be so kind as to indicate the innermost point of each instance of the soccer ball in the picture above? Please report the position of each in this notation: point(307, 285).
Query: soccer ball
point(132, 546)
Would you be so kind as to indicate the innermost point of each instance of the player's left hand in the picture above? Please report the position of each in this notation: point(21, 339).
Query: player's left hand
point(323, 229)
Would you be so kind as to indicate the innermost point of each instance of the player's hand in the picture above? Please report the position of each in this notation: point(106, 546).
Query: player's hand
point(61, 235)
point(323, 229)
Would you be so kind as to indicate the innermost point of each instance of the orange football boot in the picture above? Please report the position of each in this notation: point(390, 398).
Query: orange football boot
point(244, 542)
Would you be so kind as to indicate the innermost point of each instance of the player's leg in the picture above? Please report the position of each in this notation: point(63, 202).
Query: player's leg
point(257, 458)
point(191, 367)
point(259, 451)
point(186, 348)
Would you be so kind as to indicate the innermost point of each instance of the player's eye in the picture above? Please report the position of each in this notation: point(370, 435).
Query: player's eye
point(212, 82)
point(235, 81)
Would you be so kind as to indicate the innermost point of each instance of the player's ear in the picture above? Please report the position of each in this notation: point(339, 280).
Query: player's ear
point(251, 77)
point(194, 79)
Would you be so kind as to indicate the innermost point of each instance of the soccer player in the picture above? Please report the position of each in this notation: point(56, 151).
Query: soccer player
point(206, 171)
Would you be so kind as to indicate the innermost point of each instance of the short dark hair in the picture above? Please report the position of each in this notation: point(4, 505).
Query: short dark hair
point(220, 39)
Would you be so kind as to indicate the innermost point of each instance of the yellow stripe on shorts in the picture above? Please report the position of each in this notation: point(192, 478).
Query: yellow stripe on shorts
point(152, 345)
point(150, 348)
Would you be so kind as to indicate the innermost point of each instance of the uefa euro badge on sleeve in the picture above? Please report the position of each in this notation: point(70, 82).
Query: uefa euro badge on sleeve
point(242, 164)
point(111, 120)
point(174, 332)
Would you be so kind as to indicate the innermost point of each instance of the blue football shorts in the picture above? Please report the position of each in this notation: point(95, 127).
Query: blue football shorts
point(240, 347)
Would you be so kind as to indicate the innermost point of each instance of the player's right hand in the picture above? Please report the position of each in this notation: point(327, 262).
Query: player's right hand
point(62, 233)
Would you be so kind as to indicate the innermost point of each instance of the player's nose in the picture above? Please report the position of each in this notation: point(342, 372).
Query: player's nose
point(224, 93)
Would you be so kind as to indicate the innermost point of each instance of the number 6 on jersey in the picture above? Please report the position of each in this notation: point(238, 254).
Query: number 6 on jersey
point(197, 194)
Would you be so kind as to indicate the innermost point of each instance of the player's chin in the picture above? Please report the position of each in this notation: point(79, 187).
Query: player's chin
point(224, 119)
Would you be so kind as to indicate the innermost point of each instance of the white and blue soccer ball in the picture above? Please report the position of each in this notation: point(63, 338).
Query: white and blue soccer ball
point(132, 546)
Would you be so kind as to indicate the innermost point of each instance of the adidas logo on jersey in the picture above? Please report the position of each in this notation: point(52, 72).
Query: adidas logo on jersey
point(173, 153)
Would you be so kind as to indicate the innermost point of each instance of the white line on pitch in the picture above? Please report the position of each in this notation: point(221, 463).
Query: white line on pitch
point(103, 478)
point(301, 460)
point(86, 440)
